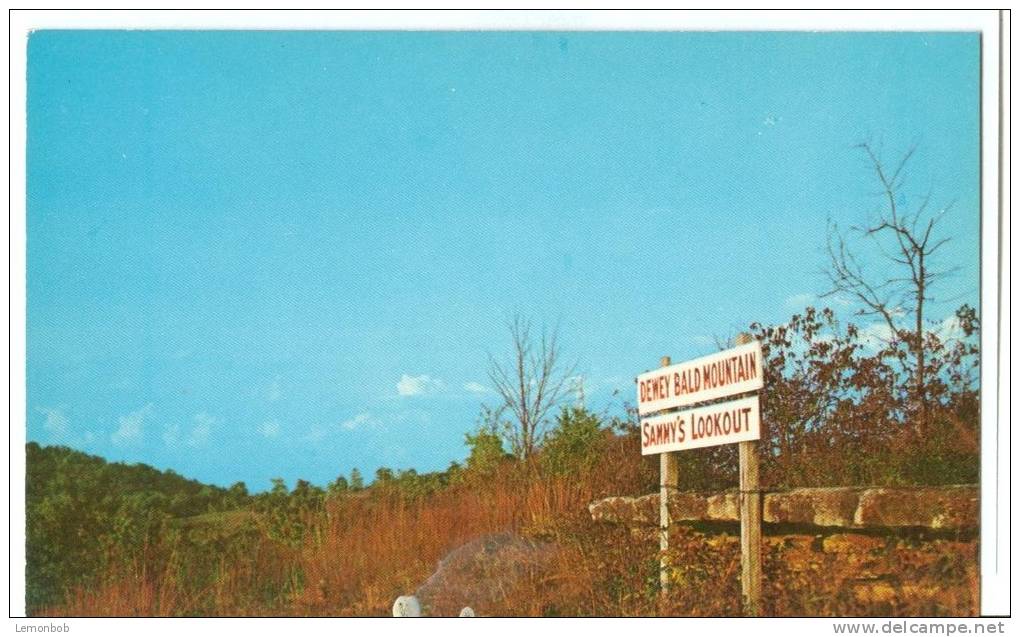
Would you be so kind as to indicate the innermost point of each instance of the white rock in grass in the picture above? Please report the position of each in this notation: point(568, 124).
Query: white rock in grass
point(467, 612)
point(407, 606)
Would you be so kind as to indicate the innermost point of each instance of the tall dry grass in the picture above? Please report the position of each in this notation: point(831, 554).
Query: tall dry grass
point(365, 552)
point(355, 556)
point(362, 550)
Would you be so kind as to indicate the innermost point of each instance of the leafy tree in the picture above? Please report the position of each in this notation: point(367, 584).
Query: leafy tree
point(485, 446)
point(279, 487)
point(383, 476)
point(454, 474)
point(85, 517)
point(357, 482)
point(306, 494)
point(338, 486)
point(575, 443)
point(238, 494)
point(835, 412)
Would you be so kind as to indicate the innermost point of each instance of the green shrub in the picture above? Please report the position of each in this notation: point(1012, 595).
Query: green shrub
point(575, 443)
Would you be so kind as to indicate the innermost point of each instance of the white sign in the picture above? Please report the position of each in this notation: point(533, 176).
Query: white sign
point(733, 371)
point(718, 424)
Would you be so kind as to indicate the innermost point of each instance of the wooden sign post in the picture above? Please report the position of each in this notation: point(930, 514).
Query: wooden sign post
point(750, 521)
point(664, 432)
point(669, 479)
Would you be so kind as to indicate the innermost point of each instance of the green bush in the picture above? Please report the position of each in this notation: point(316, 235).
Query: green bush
point(485, 446)
point(575, 443)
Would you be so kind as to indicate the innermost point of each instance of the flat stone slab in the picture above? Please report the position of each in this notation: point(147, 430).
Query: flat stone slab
point(953, 507)
point(934, 508)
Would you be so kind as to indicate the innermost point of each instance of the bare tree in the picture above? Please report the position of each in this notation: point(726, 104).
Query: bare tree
point(530, 386)
point(904, 240)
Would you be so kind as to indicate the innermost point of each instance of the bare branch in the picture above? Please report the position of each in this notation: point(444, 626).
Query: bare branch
point(896, 296)
point(531, 386)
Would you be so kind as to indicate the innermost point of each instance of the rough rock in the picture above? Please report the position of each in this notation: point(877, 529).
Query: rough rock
point(686, 507)
point(820, 507)
point(624, 510)
point(953, 507)
point(407, 606)
point(723, 507)
point(484, 571)
point(934, 508)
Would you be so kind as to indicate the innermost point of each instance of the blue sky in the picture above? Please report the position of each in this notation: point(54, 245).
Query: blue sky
point(289, 254)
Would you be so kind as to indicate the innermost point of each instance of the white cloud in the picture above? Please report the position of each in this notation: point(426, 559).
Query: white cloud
point(171, 435)
point(198, 435)
point(270, 429)
point(949, 329)
point(876, 335)
point(57, 423)
point(361, 420)
point(58, 426)
point(200, 430)
point(476, 388)
point(418, 385)
point(131, 427)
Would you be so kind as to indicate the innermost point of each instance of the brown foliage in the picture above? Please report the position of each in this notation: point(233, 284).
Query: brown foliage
point(836, 408)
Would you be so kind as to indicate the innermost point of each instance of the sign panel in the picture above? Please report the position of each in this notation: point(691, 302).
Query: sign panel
point(732, 371)
point(718, 424)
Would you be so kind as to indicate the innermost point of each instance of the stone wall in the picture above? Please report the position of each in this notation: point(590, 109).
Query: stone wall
point(937, 508)
point(833, 551)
